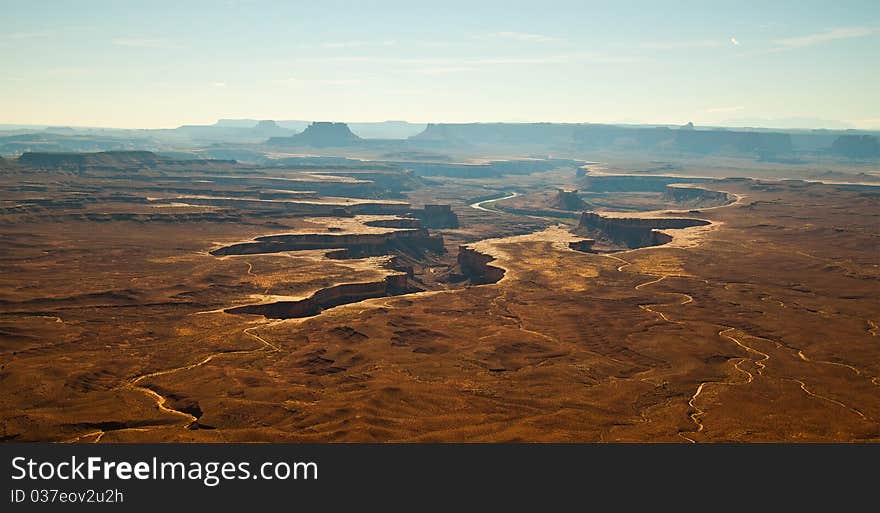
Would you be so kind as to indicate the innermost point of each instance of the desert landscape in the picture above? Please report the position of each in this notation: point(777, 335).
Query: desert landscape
point(405, 223)
point(339, 289)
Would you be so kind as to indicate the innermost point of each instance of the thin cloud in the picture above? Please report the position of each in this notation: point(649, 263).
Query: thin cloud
point(440, 61)
point(600, 58)
point(139, 42)
point(682, 45)
point(27, 35)
point(442, 70)
point(523, 36)
point(351, 44)
point(717, 110)
point(219, 84)
point(549, 59)
point(445, 64)
point(294, 81)
point(795, 43)
point(826, 36)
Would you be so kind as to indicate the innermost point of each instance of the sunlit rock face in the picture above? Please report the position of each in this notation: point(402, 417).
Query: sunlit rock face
point(632, 232)
point(568, 200)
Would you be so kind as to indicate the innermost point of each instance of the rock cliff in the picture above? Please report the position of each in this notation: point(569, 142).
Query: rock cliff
point(856, 146)
point(330, 297)
point(437, 216)
point(568, 200)
point(409, 241)
point(632, 232)
point(695, 196)
point(119, 162)
point(475, 266)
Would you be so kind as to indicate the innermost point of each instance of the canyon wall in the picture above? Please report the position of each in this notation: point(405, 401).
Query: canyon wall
point(588, 136)
point(695, 196)
point(327, 298)
point(584, 245)
point(437, 216)
point(633, 232)
point(117, 162)
point(491, 169)
point(475, 266)
point(568, 199)
point(630, 183)
point(412, 241)
point(856, 146)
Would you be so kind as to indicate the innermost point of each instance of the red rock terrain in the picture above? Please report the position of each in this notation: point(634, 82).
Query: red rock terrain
point(118, 324)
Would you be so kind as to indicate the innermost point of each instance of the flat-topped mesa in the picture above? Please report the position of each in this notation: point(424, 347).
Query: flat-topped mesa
point(582, 136)
point(80, 161)
point(631, 183)
point(568, 199)
point(297, 206)
point(320, 134)
point(437, 132)
point(415, 241)
point(397, 222)
point(856, 146)
point(437, 216)
point(633, 232)
point(475, 266)
point(504, 134)
point(117, 161)
point(695, 196)
point(268, 127)
point(495, 168)
point(329, 297)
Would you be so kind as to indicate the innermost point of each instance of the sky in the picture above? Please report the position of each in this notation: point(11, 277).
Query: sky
point(163, 64)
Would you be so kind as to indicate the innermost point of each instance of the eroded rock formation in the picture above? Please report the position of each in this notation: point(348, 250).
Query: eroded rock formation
point(630, 183)
point(408, 241)
point(330, 297)
point(475, 266)
point(437, 216)
point(695, 195)
point(595, 136)
point(116, 161)
point(584, 245)
point(320, 134)
point(490, 169)
point(633, 232)
point(568, 199)
point(856, 146)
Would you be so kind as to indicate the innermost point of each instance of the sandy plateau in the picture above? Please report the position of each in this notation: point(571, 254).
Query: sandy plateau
point(391, 307)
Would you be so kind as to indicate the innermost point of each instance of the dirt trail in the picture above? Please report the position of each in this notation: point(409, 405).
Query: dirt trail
point(760, 360)
point(696, 411)
point(161, 401)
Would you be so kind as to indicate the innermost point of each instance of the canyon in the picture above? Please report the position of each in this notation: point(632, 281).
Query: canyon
point(152, 298)
point(633, 232)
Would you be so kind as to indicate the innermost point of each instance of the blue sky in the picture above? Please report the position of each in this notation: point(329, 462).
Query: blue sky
point(163, 64)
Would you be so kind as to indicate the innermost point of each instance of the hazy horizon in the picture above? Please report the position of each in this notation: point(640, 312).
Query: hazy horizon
point(119, 65)
point(784, 124)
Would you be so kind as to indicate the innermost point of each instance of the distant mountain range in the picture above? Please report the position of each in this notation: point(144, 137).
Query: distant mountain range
point(663, 139)
point(788, 123)
point(251, 140)
point(366, 130)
